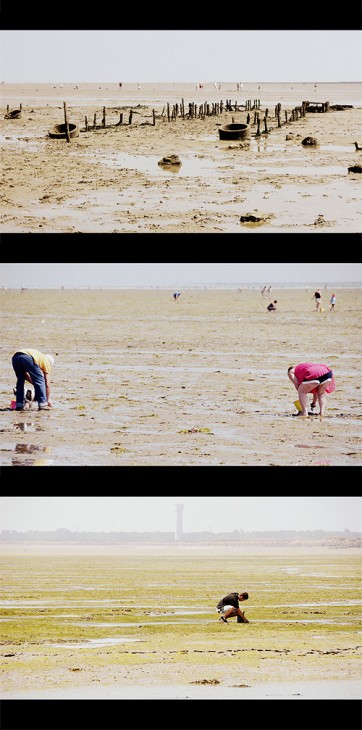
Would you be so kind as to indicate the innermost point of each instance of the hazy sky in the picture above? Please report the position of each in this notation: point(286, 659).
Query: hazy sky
point(180, 55)
point(153, 514)
point(173, 275)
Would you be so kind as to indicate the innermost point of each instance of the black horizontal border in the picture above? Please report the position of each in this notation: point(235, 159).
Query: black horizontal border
point(193, 247)
point(193, 481)
point(181, 714)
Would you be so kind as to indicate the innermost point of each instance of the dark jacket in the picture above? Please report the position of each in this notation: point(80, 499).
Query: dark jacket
point(231, 600)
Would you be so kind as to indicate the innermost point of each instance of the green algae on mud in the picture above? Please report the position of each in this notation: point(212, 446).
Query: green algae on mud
point(304, 612)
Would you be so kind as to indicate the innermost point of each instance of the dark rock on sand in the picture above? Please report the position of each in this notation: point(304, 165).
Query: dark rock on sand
point(255, 217)
point(170, 160)
point(310, 142)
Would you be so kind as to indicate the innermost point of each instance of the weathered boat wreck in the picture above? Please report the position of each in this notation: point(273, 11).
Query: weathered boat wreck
point(235, 131)
point(59, 131)
point(15, 114)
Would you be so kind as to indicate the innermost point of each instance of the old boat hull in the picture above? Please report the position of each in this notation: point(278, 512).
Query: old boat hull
point(235, 131)
point(59, 131)
point(13, 115)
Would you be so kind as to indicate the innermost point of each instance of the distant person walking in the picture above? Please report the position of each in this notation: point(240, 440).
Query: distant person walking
point(318, 300)
point(176, 295)
point(332, 302)
point(35, 367)
point(228, 607)
point(317, 379)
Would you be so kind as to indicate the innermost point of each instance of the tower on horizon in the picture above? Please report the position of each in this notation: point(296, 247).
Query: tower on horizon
point(178, 533)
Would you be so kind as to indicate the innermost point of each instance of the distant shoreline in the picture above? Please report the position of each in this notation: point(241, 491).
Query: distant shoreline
point(187, 287)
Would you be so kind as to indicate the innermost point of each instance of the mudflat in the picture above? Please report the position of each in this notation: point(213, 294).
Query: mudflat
point(131, 620)
point(141, 379)
point(108, 180)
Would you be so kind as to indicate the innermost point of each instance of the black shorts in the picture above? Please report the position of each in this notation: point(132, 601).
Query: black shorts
point(326, 376)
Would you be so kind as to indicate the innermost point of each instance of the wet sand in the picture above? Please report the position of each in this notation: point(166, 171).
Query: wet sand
point(110, 622)
point(108, 180)
point(317, 690)
point(143, 380)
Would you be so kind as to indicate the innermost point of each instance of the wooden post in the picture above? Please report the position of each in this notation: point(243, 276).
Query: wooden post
point(258, 133)
point(94, 120)
point(265, 124)
point(86, 123)
point(248, 119)
point(130, 117)
point(153, 117)
point(21, 106)
point(104, 117)
point(168, 112)
point(7, 108)
point(278, 115)
point(66, 121)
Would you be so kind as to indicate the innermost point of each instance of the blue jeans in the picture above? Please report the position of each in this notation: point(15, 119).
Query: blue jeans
point(23, 364)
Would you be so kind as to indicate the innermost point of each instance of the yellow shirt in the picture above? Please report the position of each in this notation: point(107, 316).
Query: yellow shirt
point(40, 360)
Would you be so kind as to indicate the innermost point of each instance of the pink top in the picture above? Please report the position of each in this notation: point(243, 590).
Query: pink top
point(310, 371)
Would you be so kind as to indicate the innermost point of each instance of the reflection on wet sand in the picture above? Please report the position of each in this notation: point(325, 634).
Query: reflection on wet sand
point(31, 449)
point(27, 427)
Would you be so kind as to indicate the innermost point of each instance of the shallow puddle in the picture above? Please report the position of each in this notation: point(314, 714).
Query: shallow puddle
point(144, 624)
point(193, 166)
point(202, 166)
point(327, 603)
point(22, 142)
point(27, 427)
point(92, 643)
point(23, 450)
point(30, 449)
point(317, 689)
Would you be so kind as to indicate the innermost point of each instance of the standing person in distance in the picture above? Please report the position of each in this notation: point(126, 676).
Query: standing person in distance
point(332, 302)
point(318, 300)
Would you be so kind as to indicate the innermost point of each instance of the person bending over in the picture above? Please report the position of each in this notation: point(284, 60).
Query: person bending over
point(229, 607)
point(317, 379)
point(34, 367)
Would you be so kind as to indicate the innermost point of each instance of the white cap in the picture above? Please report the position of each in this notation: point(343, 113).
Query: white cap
point(50, 358)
